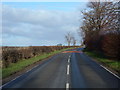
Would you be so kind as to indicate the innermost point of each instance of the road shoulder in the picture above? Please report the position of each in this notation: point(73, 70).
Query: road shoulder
point(103, 65)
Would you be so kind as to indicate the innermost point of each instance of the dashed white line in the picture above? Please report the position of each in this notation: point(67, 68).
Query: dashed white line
point(110, 71)
point(69, 60)
point(68, 67)
point(67, 86)
point(68, 71)
point(69, 56)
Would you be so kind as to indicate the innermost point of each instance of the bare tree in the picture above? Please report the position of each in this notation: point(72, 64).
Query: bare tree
point(100, 28)
point(68, 38)
point(98, 20)
point(74, 41)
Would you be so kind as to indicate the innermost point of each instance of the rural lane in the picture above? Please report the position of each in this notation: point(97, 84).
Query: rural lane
point(66, 70)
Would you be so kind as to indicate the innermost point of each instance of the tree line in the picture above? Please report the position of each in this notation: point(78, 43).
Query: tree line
point(100, 29)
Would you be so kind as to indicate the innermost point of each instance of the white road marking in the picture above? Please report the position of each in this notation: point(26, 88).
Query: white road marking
point(18, 76)
point(68, 71)
point(68, 67)
point(69, 56)
point(110, 71)
point(69, 60)
point(28, 70)
point(32, 68)
point(10, 81)
point(67, 86)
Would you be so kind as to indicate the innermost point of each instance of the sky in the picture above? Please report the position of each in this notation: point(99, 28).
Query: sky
point(40, 23)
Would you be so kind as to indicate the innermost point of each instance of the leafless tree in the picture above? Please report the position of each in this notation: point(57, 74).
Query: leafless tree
point(74, 41)
point(68, 38)
point(99, 19)
point(100, 27)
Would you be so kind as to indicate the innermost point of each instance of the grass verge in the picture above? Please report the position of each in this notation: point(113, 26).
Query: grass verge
point(112, 64)
point(21, 64)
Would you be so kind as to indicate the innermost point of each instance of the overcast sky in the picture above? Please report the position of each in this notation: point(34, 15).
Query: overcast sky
point(40, 23)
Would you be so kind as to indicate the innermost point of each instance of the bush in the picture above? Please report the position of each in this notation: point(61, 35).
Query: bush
point(111, 45)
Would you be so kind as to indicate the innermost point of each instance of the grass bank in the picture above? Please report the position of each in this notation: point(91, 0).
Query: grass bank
point(112, 64)
point(21, 64)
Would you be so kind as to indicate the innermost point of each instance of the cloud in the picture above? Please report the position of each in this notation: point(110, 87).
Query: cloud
point(47, 0)
point(30, 26)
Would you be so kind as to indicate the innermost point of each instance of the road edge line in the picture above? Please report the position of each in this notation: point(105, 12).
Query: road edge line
point(18, 77)
point(110, 71)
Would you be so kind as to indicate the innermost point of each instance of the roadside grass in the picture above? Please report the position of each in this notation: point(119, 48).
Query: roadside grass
point(113, 64)
point(21, 64)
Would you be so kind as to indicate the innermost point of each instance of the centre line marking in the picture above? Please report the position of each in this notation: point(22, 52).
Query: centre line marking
point(68, 67)
point(68, 60)
point(67, 86)
point(69, 56)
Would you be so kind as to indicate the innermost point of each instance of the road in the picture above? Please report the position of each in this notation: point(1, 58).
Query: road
point(66, 70)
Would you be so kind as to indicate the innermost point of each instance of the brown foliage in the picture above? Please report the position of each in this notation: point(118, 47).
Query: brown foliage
point(100, 28)
point(111, 45)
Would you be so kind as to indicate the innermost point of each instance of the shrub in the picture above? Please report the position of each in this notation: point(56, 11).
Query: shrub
point(111, 45)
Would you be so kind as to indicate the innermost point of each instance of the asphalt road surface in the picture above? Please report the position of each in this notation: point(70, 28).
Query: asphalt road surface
point(66, 70)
